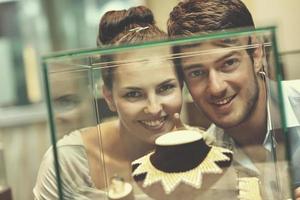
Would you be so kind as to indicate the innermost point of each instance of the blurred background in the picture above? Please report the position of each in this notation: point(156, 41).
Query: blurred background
point(30, 29)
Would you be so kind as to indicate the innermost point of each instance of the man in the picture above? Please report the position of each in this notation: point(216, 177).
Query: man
point(231, 88)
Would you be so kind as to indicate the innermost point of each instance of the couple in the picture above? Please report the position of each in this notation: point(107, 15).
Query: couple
point(227, 88)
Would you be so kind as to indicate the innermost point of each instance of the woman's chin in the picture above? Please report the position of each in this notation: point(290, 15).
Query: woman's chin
point(151, 139)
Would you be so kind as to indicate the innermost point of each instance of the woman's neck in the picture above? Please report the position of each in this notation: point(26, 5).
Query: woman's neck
point(133, 146)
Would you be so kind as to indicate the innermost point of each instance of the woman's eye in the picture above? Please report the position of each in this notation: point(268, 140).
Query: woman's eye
point(133, 94)
point(231, 64)
point(166, 88)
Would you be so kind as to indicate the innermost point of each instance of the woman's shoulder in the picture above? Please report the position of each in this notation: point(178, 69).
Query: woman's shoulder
point(72, 160)
point(70, 149)
point(104, 131)
point(71, 139)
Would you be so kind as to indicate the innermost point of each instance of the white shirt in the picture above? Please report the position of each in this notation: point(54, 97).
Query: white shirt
point(269, 174)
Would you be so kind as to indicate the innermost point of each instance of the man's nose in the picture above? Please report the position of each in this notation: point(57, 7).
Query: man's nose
point(216, 84)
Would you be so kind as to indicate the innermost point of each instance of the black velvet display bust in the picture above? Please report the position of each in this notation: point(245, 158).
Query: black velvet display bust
point(178, 159)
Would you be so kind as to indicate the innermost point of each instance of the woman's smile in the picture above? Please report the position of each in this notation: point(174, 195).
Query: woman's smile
point(153, 124)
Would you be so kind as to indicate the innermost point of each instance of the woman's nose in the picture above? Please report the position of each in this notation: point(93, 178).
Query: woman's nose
point(153, 106)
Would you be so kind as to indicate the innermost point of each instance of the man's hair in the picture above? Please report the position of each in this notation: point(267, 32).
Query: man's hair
point(203, 16)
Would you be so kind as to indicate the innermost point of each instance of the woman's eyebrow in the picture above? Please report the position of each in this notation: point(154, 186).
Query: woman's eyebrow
point(167, 81)
point(131, 88)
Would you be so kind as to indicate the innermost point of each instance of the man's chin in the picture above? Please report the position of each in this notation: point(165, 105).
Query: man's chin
point(226, 124)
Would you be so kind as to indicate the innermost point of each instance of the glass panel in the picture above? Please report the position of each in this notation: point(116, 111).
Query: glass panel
point(291, 94)
point(71, 97)
point(71, 108)
point(137, 148)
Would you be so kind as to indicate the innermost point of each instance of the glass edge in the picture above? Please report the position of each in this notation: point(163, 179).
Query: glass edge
point(52, 130)
point(98, 121)
point(176, 41)
point(279, 78)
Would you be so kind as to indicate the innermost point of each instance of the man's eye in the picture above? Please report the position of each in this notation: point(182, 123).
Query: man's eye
point(231, 63)
point(196, 73)
point(166, 88)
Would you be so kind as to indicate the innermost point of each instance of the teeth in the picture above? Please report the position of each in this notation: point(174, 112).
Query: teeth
point(223, 101)
point(153, 123)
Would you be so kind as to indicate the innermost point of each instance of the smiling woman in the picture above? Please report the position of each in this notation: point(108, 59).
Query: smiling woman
point(144, 105)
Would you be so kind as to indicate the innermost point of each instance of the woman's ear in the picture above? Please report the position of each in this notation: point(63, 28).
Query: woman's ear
point(257, 54)
point(107, 93)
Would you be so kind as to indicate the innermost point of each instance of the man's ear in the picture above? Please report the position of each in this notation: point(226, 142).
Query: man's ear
point(107, 93)
point(257, 54)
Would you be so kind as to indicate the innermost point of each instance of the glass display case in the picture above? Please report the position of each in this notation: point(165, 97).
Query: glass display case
point(291, 86)
point(116, 134)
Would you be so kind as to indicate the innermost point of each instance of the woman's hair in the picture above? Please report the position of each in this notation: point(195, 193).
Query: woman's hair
point(203, 16)
point(135, 25)
point(130, 26)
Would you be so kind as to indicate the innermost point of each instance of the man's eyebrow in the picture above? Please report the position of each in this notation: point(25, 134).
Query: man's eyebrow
point(231, 53)
point(198, 65)
point(228, 42)
point(192, 66)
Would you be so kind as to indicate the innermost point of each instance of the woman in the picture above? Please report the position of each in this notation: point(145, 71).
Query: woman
point(145, 106)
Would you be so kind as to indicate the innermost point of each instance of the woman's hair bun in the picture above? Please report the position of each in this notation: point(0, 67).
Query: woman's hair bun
point(140, 15)
point(115, 22)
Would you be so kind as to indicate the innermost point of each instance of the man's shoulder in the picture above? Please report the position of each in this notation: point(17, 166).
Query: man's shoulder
point(291, 92)
point(291, 88)
point(219, 135)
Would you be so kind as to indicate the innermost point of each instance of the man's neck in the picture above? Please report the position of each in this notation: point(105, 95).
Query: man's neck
point(253, 130)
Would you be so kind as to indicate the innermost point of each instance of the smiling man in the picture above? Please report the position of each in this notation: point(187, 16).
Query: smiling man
point(227, 81)
point(223, 84)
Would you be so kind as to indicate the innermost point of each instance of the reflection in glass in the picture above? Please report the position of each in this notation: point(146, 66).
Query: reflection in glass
point(128, 118)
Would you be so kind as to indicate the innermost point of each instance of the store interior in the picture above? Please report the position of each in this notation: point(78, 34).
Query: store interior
point(31, 29)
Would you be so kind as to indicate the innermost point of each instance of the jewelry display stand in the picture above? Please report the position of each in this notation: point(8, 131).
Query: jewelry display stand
point(181, 161)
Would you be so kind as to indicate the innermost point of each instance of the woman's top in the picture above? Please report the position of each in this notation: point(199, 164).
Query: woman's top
point(75, 176)
point(74, 170)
